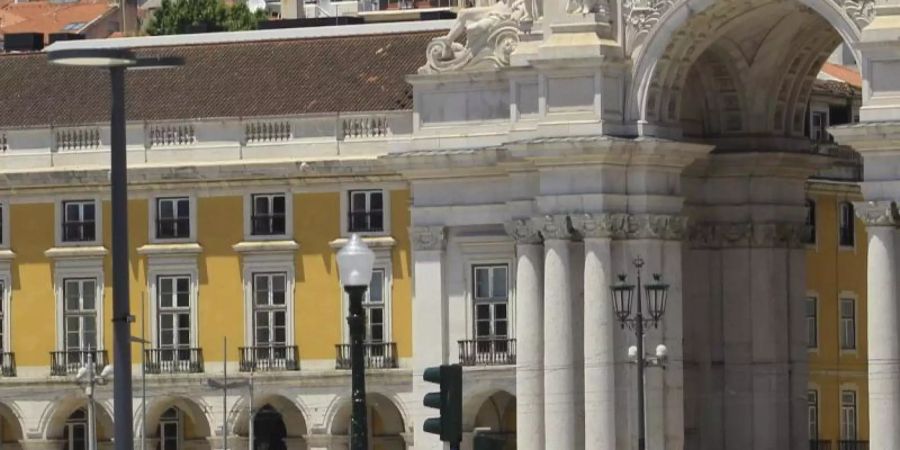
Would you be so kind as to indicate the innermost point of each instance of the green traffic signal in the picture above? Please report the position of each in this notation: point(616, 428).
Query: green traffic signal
point(448, 401)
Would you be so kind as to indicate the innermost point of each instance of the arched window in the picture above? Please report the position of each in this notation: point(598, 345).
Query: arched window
point(846, 233)
point(810, 236)
point(75, 434)
point(170, 430)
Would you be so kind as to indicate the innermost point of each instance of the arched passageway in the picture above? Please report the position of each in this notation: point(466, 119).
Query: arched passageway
point(278, 425)
point(385, 423)
point(68, 423)
point(176, 424)
point(494, 423)
point(10, 426)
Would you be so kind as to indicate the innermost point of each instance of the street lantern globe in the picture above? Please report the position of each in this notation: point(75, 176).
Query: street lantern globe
point(657, 294)
point(623, 297)
point(355, 261)
point(93, 57)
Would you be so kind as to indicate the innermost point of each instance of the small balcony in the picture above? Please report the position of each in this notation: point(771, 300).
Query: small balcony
point(853, 445)
point(381, 355)
point(173, 360)
point(816, 444)
point(269, 358)
point(487, 352)
point(68, 362)
point(8, 364)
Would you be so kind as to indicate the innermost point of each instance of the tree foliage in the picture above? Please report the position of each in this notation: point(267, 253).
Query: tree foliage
point(191, 16)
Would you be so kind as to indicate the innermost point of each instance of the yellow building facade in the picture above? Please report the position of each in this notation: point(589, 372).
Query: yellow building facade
point(836, 318)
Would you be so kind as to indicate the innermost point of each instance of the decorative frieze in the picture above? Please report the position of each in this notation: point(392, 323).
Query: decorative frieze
point(523, 231)
point(427, 238)
point(746, 234)
point(604, 225)
point(554, 227)
point(877, 214)
point(861, 12)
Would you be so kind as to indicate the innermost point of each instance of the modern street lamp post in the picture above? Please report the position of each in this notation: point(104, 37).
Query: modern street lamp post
point(88, 376)
point(355, 261)
point(117, 61)
point(623, 296)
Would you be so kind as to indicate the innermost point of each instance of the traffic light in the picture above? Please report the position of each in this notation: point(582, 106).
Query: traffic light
point(449, 401)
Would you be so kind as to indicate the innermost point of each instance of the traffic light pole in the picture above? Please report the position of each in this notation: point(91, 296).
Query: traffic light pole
point(356, 322)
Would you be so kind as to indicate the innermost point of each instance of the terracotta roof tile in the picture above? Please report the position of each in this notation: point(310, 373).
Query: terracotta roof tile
point(271, 78)
point(843, 73)
point(46, 17)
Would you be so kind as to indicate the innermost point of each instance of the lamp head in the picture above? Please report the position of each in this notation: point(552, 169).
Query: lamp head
point(107, 372)
point(662, 351)
point(622, 297)
point(93, 57)
point(657, 293)
point(632, 353)
point(355, 261)
point(82, 373)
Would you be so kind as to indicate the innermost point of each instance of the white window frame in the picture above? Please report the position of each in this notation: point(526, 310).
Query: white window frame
point(60, 216)
point(815, 298)
point(813, 391)
point(487, 251)
point(5, 298)
point(818, 109)
point(852, 297)
point(69, 269)
point(386, 208)
point(179, 421)
point(475, 302)
point(98, 319)
point(171, 268)
point(288, 215)
point(814, 244)
point(70, 423)
point(4, 225)
point(382, 263)
point(264, 263)
point(842, 423)
point(840, 211)
point(192, 217)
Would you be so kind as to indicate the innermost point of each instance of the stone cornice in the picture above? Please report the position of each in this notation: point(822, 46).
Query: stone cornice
point(747, 234)
point(427, 238)
point(877, 214)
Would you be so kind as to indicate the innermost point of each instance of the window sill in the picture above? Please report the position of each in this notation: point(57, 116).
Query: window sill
point(266, 246)
point(93, 251)
point(6, 255)
point(191, 248)
point(374, 242)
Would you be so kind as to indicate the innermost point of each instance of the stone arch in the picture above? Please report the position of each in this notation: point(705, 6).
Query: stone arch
point(682, 33)
point(291, 413)
point(496, 418)
point(10, 424)
point(59, 412)
point(195, 418)
point(387, 421)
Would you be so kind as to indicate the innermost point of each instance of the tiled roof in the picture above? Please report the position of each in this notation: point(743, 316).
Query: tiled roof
point(835, 88)
point(843, 73)
point(265, 78)
point(46, 17)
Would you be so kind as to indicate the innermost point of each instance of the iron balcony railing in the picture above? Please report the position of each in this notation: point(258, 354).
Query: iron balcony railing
point(8, 364)
point(269, 358)
point(366, 221)
point(816, 444)
point(173, 360)
point(487, 352)
point(853, 445)
point(68, 362)
point(380, 355)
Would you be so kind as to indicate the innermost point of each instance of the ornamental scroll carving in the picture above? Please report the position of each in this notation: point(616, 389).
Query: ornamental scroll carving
point(601, 225)
point(523, 231)
point(427, 238)
point(877, 214)
point(491, 34)
point(861, 12)
point(747, 235)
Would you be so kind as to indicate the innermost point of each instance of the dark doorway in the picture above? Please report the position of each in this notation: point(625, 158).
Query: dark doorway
point(269, 430)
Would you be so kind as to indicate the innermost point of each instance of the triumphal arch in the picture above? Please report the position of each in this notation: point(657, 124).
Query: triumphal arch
point(596, 131)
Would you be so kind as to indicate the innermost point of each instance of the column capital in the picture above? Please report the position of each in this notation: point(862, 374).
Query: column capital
point(523, 231)
point(600, 226)
point(657, 226)
point(554, 227)
point(427, 237)
point(747, 234)
point(877, 214)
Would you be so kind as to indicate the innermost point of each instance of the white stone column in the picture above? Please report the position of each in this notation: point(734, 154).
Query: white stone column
point(529, 336)
point(599, 328)
point(559, 346)
point(430, 344)
point(883, 326)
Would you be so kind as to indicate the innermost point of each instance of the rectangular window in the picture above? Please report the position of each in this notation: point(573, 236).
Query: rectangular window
point(173, 218)
point(846, 233)
point(174, 317)
point(374, 306)
point(366, 212)
point(80, 316)
point(268, 215)
point(812, 322)
point(79, 221)
point(810, 235)
point(848, 415)
point(812, 408)
point(491, 289)
point(819, 126)
point(269, 310)
point(848, 324)
point(169, 430)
